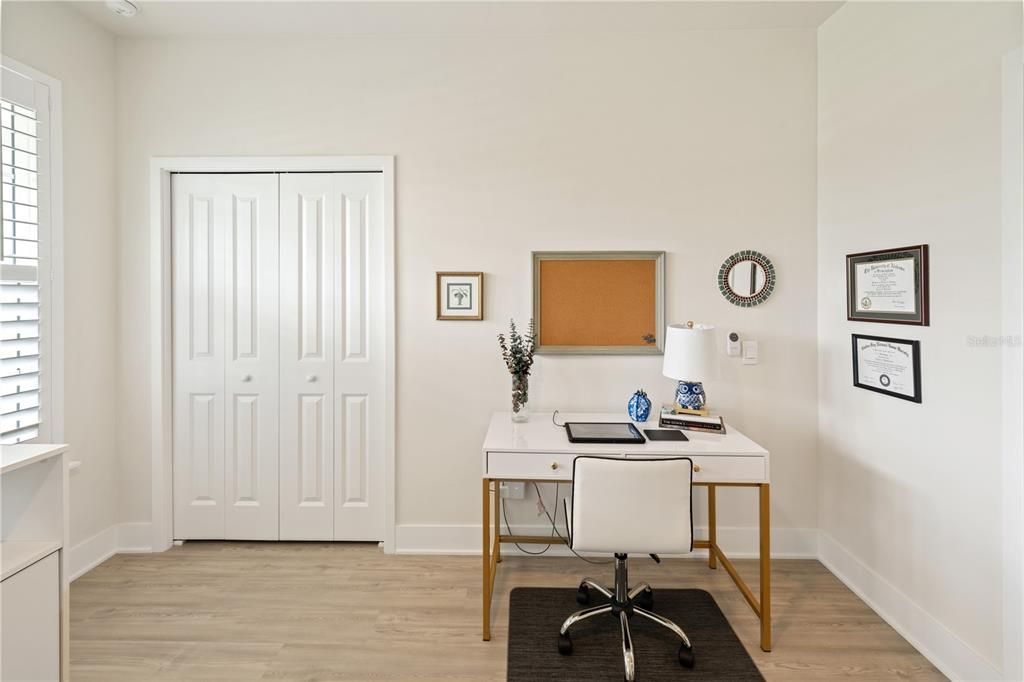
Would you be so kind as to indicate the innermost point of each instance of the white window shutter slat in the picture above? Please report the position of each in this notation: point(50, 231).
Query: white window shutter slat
point(20, 364)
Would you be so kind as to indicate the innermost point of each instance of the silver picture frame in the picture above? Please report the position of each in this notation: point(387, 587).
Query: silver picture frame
point(655, 348)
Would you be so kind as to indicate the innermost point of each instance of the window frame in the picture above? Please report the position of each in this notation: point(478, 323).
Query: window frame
point(51, 256)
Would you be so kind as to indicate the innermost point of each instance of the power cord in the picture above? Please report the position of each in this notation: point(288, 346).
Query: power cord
point(551, 519)
point(554, 527)
point(508, 527)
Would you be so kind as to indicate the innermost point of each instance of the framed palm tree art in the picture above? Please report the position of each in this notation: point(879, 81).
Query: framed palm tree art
point(460, 295)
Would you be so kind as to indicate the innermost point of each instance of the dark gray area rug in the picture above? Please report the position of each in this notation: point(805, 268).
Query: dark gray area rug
point(536, 614)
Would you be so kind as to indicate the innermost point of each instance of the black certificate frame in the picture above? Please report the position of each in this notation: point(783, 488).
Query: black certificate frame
point(915, 347)
point(919, 254)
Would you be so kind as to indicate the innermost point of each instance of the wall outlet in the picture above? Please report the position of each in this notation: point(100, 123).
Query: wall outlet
point(513, 490)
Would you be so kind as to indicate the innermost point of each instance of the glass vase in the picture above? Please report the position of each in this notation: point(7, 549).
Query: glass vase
point(520, 397)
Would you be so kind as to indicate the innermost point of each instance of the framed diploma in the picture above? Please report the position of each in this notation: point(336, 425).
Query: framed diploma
point(888, 286)
point(889, 366)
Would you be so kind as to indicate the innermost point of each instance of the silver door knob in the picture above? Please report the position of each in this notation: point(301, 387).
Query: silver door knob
point(246, 377)
point(310, 378)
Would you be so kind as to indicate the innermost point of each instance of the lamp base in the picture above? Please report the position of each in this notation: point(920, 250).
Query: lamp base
point(690, 395)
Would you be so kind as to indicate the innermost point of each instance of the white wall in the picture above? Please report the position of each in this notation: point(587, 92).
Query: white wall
point(909, 102)
point(697, 143)
point(61, 43)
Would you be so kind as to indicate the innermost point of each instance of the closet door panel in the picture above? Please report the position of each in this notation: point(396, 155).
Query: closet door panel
point(224, 229)
point(309, 225)
point(252, 357)
point(198, 214)
point(359, 348)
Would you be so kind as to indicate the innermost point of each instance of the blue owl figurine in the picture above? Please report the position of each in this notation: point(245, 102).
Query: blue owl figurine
point(639, 406)
point(690, 394)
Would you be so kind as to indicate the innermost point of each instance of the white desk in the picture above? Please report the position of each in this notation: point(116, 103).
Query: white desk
point(34, 586)
point(538, 450)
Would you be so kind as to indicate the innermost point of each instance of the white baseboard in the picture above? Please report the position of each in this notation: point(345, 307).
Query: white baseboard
point(120, 538)
point(738, 542)
point(947, 652)
point(90, 553)
point(134, 537)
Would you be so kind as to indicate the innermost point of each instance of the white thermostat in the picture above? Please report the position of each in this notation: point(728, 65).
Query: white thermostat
point(732, 345)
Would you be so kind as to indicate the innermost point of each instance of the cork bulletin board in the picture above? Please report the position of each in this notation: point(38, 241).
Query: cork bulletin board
point(594, 302)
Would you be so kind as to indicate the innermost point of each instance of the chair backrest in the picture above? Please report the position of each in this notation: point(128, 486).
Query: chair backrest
point(632, 505)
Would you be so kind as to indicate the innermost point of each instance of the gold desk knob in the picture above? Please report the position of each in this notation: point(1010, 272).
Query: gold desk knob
point(696, 467)
point(554, 465)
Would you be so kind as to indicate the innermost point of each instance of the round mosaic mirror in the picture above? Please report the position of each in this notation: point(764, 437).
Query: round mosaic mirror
point(746, 279)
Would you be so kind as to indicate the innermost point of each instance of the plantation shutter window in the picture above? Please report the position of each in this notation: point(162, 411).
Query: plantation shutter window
point(24, 266)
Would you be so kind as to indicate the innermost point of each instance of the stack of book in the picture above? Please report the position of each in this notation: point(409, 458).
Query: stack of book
point(675, 417)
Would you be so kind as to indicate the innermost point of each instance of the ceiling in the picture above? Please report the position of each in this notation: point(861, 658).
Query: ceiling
point(384, 17)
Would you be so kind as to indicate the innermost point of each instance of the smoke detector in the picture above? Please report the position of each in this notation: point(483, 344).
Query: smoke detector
point(122, 8)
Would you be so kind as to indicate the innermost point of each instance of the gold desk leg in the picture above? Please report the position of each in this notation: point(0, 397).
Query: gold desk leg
point(497, 523)
point(712, 527)
point(766, 569)
point(486, 525)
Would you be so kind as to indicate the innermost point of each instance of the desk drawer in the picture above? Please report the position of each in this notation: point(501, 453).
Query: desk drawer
point(529, 465)
point(533, 465)
point(728, 469)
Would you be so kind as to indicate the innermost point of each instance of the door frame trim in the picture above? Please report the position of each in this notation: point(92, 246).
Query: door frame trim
point(160, 356)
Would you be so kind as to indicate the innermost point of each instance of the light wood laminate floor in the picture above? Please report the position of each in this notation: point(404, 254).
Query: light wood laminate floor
point(309, 611)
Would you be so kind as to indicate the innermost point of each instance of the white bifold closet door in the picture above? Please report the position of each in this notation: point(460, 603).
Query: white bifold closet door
point(279, 298)
point(225, 356)
point(332, 356)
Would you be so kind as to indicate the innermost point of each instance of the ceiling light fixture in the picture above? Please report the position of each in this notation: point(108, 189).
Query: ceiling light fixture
point(122, 8)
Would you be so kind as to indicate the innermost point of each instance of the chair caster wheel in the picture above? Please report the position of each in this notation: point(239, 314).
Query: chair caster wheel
point(645, 599)
point(583, 594)
point(686, 658)
point(564, 644)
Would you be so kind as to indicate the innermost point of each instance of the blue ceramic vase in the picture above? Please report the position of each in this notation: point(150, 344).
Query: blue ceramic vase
point(639, 406)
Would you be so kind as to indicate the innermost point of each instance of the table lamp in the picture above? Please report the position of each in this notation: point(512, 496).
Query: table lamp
point(689, 357)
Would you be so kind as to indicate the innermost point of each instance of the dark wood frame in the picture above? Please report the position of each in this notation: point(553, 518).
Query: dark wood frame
point(920, 282)
point(916, 349)
point(480, 308)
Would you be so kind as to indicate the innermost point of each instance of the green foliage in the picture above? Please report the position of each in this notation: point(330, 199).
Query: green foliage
point(517, 350)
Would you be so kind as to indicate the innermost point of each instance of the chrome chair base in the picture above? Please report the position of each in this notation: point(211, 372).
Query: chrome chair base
point(624, 603)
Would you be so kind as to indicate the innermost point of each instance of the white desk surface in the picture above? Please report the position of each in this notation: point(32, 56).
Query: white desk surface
point(539, 434)
point(16, 456)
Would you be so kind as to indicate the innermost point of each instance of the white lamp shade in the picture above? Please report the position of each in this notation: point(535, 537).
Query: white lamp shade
point(689, 352)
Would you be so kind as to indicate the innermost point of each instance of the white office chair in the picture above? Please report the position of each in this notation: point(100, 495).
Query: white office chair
point(624, 506)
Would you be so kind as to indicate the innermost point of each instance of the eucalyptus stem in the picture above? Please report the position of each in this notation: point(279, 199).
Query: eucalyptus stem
point(517, 350)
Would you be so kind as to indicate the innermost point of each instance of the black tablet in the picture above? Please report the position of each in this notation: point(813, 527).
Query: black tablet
point(603, 432)
point(665, 434)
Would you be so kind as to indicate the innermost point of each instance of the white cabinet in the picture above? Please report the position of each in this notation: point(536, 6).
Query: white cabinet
point(34, 587)
point(30, 606)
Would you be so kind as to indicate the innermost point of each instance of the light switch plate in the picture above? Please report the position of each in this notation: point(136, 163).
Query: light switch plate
point(750, 353)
